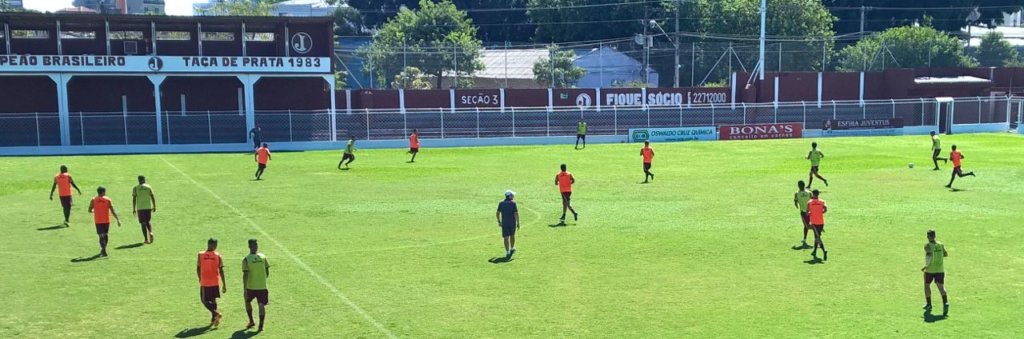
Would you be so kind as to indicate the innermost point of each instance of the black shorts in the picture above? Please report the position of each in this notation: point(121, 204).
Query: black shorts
point(957, 170)
point(262, 296)
point(818, 228)
point(144, 215)
point(348, 156)
point(209, 293)
point(261, 166)
point(939, 278)
point(102, 228)
point(806, 218)
point(566, 196)
point(647, 166)
point(414, 149)
point(65, 201)
point(508, 231)
point(814, 169)
point(935, 153)
point(581, 136)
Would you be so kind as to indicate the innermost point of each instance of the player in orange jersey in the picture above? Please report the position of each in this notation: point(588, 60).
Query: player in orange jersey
point(262, 156)
point(63, 183)
point(210, 271)
point(648, 154)
point(564, 180)
point(414, 144)
point(101, 208)
point(957, 159)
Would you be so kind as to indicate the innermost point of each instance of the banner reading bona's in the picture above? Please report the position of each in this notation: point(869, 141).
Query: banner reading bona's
point(761, 131)
point(672, 134)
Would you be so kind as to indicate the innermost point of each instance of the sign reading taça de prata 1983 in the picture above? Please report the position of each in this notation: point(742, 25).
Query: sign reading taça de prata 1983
point(168, 64)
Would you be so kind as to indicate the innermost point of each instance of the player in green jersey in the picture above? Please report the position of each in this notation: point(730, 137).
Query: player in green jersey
point(800, 200)
point(936, 150)
point(934, 255)
point(255, 271)
point(349, 155)
point(143, 206)
point(815, 157)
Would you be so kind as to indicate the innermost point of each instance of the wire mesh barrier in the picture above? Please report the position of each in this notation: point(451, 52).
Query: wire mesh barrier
point(219, 127)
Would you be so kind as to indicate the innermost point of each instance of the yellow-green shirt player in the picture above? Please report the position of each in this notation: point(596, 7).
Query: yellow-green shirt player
point(815, 157)
point(581, 134)
point(255, 271)
point(936, 150)
point(800, 200)
point(143, 206)
point(934, 256)
point(350, 153)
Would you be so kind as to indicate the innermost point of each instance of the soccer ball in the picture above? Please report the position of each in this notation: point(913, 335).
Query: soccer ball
point(911, 165)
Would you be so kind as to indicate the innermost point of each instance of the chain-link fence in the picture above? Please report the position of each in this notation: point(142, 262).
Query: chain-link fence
point(220, 127)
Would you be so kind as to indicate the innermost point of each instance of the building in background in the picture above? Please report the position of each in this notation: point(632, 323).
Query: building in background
point(294, 8)
point(100, 6)
point(155, 7)
point(608, 67)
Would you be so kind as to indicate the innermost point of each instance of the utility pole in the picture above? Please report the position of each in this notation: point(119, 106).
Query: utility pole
point(647, 52)
point(862, 11)
point(675, 82)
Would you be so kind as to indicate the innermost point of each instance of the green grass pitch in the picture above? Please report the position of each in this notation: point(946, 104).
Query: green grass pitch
point(393, 249)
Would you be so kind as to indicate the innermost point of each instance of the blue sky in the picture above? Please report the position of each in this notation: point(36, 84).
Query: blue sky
point(174, 7)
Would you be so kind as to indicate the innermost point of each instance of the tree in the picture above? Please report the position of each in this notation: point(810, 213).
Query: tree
point(804, 28)
point(242, 8)
point(377, 12)
point(565, 73)
point(947, 15)
point(348, 22)
point(583, 20)
point(411, 78)
point(499, 20)
point(437, 38)
point(995, 51)
point(904, 47)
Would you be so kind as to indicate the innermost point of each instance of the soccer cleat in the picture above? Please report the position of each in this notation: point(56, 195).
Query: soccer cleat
point(927, 307)
point(814, 253)
point(103, 253)
point(826, 183)
point(250, 325)
point(575, 216)
point(945, 309)
point(825, 255)
point(216, 319)
point(949, 186)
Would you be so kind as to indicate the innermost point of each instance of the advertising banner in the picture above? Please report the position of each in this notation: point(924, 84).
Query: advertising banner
point(886, 126)
point(761, 131)
point(162, 64)
point(672, 134)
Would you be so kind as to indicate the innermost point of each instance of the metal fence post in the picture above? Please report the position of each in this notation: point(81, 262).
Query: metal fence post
point(804, 105)
point(979, 110)
point(744, 113)
point(81, 126)
point(680, 115)
point(125, 127)
point(442, 123)
point(478, 122)
point(922, 111)
point(834, 114)
point(405, 123)
point(513, 122)
point(615, 119)
point(167, 117)
point(547, 122)
point(209, 125)
point(775, 114)
point(291, 137)
point(648, 110)
point(367, 123)
point(893, 108)
point(39, 141)
point(713, 114)
point(864, 110)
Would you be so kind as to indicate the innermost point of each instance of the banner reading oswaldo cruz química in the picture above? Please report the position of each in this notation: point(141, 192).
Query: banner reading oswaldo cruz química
point(672, 134)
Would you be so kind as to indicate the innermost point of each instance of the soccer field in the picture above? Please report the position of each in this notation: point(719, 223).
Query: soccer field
point(396, 249)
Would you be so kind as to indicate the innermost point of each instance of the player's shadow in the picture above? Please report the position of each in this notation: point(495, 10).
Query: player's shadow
point(499, 260)
point(814, 261)
point(561, 224)
point(802, 247)
point(192, 332)
point(954, 190)
point(244, 334)
point(85, 259)
point(51, 228)
point(128, 246)
point(930, 318)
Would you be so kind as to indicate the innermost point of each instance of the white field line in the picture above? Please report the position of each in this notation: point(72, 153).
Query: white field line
point(290, 255)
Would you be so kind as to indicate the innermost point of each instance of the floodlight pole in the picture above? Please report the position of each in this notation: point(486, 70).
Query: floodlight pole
point(764, 19)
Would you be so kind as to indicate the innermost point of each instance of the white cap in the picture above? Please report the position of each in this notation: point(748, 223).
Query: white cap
point(509, 193)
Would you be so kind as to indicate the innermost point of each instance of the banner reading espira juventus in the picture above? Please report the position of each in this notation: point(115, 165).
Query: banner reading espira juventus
point(672, 134)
